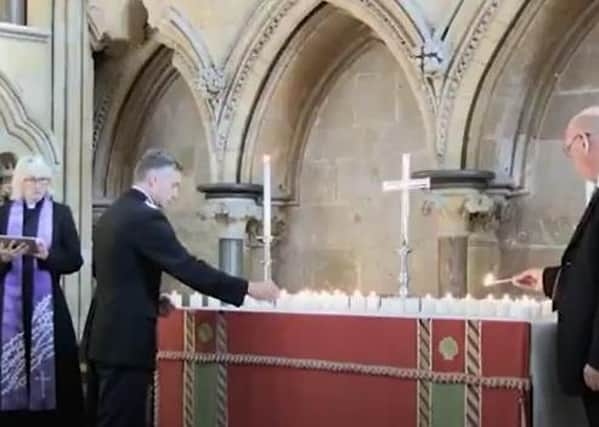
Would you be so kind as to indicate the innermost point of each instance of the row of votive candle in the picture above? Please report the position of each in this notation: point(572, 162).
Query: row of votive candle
point(338, 302)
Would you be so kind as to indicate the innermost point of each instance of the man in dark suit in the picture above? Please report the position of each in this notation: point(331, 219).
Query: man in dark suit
point(574, 284)
point(133, 244)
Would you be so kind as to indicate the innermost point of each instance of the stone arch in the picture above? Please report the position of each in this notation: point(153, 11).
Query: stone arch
point(120, 142)
point(269, 32)
point(21, 126)
point(474, 58)
point(510, 103)
point(191, 58)
point(316, 46)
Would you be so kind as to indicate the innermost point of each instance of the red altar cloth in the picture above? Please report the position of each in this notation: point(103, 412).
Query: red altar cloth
point(299, 370)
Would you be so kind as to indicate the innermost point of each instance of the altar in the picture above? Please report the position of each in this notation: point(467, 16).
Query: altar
point(265, 367)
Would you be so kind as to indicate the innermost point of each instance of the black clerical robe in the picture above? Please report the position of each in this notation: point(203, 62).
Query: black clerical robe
point(574, 288)
point(64, 258)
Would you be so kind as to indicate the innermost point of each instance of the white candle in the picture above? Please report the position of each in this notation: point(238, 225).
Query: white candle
point(392, 305)
point(444, 305)
point(357, 302)
point(488, 307)
point(283, 303)
point(547, 308)
point(176, 299)
point(412, 306)
point(340, 301)
point(213, 302)
point(428, 305)
point(266, 200)
point(505, 306)
point(196, 300)
point(471, 306)
point(372, 302)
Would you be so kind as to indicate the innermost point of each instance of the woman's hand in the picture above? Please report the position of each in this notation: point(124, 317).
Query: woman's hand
point(42, 250)
point(10, 251)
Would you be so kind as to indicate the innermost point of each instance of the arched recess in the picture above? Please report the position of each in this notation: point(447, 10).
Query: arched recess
point(544, 72)
point(511, 100)
point(30, 137)
point(267, 36)
point(335, 113)
point(158, 110)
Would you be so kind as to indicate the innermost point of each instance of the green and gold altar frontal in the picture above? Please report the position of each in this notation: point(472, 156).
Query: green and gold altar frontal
point(267, 369)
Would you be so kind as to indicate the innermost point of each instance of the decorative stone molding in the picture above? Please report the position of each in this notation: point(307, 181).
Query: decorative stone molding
point(192, 57)
point(23, 33)
point(22, 126)
point(457, 72)
point(97, 25)
point(211, 83)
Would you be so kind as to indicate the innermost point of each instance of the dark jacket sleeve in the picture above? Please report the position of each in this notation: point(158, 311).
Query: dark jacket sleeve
point(155, 239)
point(64, 257)
point(550, 275)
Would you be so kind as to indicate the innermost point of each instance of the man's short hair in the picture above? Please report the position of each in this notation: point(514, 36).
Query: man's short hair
point(154, 159)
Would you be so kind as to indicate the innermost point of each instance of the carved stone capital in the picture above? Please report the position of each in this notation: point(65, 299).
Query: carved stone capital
point(236, 209)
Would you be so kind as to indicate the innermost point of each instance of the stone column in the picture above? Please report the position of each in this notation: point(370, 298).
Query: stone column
point(13, 11)
point(231, 208)
point(467, 246)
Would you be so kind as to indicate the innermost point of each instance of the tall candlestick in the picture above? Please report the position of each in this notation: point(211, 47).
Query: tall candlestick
point(405, 195)
point(266, 200)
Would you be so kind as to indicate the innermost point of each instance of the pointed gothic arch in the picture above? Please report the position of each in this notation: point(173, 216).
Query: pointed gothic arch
point(20, 125)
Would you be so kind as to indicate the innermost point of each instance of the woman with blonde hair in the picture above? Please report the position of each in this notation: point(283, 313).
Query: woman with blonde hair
point(39, 369)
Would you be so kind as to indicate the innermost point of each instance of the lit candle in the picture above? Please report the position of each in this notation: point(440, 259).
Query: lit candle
point(176, 299)
point(357, 302)
point(546, 308)
point(488, 307)
point(372, 302)
point(472, 306)
point(505, 306)
point(283, 303)
point(196, 300)
point(267, 201)
point(428, 305)
point(411, 306)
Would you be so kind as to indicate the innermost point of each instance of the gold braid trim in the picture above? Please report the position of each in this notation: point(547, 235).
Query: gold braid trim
point(510, 383)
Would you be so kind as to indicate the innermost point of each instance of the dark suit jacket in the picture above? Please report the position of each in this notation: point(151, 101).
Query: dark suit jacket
point(133, 244)
point(574, 288)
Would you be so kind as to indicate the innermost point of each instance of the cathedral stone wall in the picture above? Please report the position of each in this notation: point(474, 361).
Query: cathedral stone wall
point(334, 91)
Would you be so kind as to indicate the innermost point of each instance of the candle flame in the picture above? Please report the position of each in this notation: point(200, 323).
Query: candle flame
point(489, 279)
point(266, 158)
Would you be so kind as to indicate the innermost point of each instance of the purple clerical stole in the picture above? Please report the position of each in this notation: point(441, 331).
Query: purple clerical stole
point(34, 390)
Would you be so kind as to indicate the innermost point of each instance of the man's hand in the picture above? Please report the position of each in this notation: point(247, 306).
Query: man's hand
point(591, 377)
point(10, 251)
point(165, 305)
point(530, 280)
point(264, 291)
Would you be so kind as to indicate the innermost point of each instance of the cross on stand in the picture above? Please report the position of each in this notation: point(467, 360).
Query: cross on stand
point(405, 185)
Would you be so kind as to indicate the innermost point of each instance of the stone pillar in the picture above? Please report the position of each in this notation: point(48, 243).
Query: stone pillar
point(13, 11)
point(467, 244)
point(231, 208)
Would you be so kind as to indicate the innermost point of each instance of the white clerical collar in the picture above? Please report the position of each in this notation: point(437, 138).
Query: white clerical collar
point(149, 201)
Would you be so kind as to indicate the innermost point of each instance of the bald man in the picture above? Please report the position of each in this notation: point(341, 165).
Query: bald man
point(574, 284)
